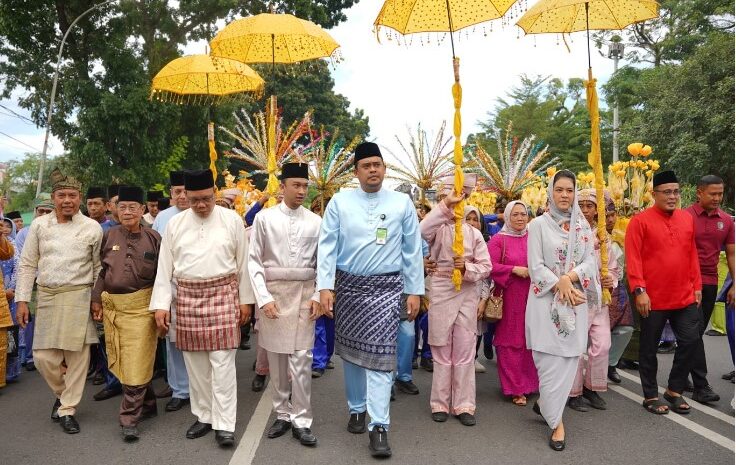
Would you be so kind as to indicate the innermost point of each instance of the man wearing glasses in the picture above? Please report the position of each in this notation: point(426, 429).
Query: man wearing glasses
point(205, 249)
point(664, 276)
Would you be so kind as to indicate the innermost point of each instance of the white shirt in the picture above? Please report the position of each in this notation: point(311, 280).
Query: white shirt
point(282, 238)
point(202, 248)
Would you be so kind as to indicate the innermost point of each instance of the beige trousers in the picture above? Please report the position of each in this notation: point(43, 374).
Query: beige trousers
point(69, 387)
point(213, 388)
point(291, 376)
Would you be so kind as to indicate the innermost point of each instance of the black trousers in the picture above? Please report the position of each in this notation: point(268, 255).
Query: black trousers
point(686, 326)
point(700, 367)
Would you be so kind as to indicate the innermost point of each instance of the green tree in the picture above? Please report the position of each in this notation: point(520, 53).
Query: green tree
point(21, 178)
point(552, 110)
point(103, 115)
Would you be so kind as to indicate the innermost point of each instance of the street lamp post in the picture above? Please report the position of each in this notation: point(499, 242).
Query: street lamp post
point(615, 52)
point(53, 93)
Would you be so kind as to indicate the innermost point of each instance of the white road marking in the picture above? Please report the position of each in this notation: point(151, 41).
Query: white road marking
point(693, 404)
point(679, 419)
point(248, 444)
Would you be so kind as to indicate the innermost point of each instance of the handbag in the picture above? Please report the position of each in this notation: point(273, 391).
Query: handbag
point(494, 305)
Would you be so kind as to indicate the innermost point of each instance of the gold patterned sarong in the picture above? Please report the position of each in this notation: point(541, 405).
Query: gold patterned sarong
point(63, 320)
point(130, 336)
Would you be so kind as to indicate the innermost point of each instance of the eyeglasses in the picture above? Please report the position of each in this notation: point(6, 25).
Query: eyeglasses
point(43, 211)
point(204, 200)
point(670, 192)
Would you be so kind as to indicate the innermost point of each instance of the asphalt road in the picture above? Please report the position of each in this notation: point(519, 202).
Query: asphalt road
point(505, 434)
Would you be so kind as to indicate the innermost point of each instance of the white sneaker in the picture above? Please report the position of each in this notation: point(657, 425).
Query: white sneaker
point(479, 368)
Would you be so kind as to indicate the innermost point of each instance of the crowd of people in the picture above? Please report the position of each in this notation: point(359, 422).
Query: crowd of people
point(138, 287)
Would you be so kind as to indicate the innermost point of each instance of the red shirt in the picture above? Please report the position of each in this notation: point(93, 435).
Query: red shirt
point(713, 231)
point(661, 256)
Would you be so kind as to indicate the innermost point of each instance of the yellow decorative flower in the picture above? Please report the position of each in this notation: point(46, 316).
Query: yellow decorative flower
point(635, 149)
point(646, 151)
point(551, 171)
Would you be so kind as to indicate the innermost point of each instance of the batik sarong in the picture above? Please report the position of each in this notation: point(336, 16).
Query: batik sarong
point(367, 319)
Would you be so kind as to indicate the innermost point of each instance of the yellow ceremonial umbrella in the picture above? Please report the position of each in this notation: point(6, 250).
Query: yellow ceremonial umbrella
point(416, 16)
point(273, 38)
point(202, 79)
point(567, 16)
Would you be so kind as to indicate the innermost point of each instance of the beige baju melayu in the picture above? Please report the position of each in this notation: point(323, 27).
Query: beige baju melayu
point(283, 261)
point(66, 258)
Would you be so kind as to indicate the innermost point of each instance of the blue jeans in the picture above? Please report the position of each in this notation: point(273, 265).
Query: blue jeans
point(324, 342)
point(421, 324)
point(405, 350)
point(730, 327)
point(368, 390)
point(176, 371)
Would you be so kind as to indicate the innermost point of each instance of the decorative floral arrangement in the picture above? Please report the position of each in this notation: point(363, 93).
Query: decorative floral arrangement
point(249, 194)
point(485, 201)
point(330, 162)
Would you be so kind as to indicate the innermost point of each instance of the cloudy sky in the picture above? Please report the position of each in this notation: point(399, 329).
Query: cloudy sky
point(401, 85)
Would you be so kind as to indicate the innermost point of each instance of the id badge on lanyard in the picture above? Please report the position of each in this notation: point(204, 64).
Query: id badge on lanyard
point(381, 236)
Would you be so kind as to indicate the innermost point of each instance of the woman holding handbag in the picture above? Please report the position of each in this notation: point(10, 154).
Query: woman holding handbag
point(509, 272)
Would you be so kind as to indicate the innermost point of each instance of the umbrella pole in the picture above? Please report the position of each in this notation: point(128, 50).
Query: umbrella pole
point(458, 247)
point(587, 33)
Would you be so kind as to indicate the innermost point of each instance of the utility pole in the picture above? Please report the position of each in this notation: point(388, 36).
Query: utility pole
point(615, 52)
point(50, 109)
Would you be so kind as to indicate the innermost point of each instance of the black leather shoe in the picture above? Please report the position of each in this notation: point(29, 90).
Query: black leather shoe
point(535, 409)
point(55, 410)
point(596, 401)
point(706, 395)
point(613, 375)
point(317, 372)
point(130, 433)
point(466, 419)
point(176, 404)
point(30, 366)
point(557, 446)
point(667, 347)
point(259, 383)
point(356, 424)
point(225, 438)
point(305, 436)
point(393, 393)
point(626, 364)
point(488, 351)
point(407, 387)
point(414, 364)
point(98, 379)
point(427, 364)
point(576, 403)
point(728, 376)
point(69, 424)
point(197, 430)
point(439, 417)
point(379, 442)
point(279, 428)
point(107, 394)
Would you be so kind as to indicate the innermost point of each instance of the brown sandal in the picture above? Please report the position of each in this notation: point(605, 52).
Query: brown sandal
point(519, 401)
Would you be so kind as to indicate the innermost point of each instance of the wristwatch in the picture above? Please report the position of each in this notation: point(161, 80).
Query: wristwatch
point(639, 291)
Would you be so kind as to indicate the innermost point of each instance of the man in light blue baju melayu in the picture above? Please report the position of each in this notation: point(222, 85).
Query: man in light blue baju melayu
point(369, 254)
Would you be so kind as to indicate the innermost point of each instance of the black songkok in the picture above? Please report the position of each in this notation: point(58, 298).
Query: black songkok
point(96, 192)
point(665, 177)
point(294, 170)
point(176, 178)
point(366, 150)
point(130, 194)
point(198, 180)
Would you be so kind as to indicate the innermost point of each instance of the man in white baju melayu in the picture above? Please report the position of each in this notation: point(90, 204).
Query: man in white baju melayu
point(206, 250)
point(283, 262)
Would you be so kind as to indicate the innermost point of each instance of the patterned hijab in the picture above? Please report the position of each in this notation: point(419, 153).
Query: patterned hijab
point(570, 216)
point(507, 230)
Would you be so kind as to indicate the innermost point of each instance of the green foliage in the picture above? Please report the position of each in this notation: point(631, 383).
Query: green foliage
point(552, 110)
point(102, 113)
point(21, 179)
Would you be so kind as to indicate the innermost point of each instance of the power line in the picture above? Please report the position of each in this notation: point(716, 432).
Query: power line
point(17, 115)
point(19, 141)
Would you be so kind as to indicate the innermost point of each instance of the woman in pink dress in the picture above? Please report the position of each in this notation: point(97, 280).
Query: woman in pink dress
point(509, 272)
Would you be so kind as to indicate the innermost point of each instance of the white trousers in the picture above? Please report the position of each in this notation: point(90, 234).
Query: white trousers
point(298, 367)
point(213, 390)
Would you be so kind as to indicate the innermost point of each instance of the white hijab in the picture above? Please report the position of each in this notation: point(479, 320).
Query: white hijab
point(508, 230)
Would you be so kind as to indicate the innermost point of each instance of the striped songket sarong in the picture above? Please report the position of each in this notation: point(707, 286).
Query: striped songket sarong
point(367, 319)
point(207, 314)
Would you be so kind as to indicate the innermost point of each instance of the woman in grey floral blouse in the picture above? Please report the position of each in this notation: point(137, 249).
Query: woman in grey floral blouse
point(556, 312)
